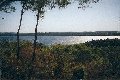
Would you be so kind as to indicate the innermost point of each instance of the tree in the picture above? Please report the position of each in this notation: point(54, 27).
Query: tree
point(39, 6)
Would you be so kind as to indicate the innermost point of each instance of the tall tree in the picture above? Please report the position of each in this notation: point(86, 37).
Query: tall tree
point(18, 32)
point(39, 6)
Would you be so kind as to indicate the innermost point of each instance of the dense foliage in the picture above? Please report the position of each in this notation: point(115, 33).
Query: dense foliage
point(93, 61)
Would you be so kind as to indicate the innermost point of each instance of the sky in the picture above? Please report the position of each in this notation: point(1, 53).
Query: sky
point(102, 16)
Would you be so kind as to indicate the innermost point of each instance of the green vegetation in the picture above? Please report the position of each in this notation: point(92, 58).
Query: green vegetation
point(98, 61)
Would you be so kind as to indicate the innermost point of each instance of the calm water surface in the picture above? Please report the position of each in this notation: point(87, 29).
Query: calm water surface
point(50, 40)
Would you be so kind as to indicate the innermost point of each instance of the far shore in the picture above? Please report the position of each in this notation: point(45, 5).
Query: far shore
point(96, 33)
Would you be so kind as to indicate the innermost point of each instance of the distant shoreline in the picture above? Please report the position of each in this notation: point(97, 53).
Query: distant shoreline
point(97, 33)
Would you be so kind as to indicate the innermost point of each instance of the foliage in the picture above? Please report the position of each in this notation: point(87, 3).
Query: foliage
point(60, 61)
point(40, 5)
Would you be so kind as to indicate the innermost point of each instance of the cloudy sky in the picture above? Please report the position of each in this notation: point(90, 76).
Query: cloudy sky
point(102, 16)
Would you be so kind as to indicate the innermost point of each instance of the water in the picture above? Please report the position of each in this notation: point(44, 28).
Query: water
point(51, 40)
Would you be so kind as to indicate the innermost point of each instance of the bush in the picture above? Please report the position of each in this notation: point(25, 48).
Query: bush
point(60, 61)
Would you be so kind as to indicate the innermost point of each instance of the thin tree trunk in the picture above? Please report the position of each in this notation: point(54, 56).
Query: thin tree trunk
point(18, 40)
point(34, 48)
point(31, 71)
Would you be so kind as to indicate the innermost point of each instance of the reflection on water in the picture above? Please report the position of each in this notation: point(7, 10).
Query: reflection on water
point(48, 40)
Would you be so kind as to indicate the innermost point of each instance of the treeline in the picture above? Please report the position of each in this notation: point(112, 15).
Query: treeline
point(95, 60)
point(97, 33)
point(8, 34)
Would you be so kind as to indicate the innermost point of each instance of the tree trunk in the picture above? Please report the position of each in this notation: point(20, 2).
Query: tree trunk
point(34, 48)
point(18, 40)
